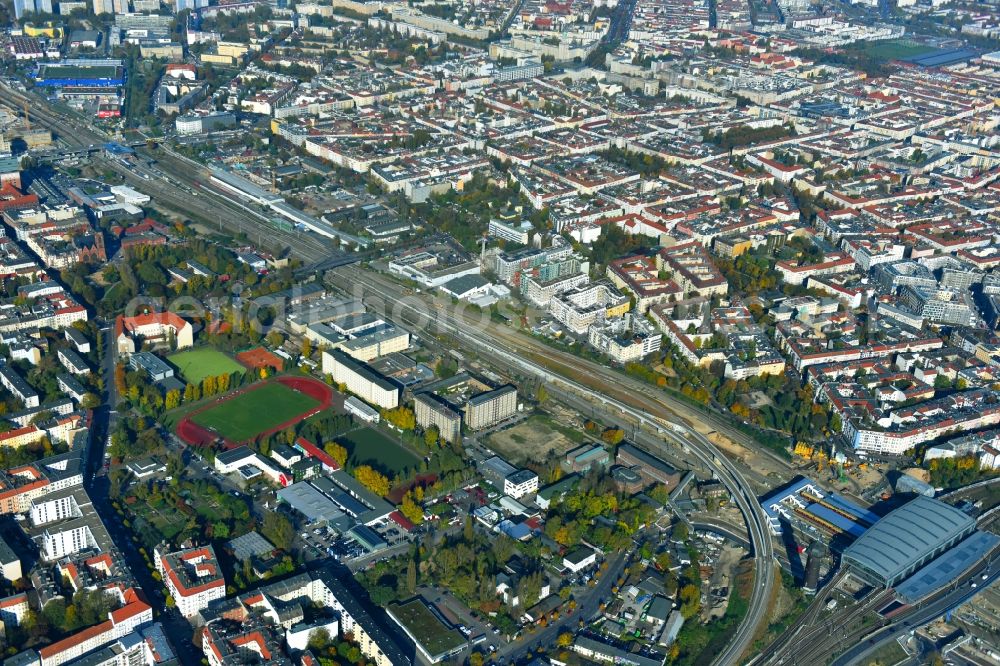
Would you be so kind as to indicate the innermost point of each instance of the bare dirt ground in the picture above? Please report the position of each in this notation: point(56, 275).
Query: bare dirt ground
point(537, 439)
point(729, 557)
point(763, 465)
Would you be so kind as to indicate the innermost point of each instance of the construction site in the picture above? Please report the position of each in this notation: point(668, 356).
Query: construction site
point(17, 134)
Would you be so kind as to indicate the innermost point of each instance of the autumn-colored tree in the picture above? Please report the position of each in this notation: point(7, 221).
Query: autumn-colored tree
point(337, 452)
point(613, 436)
point(411, 510)
point(402, 417)
point(690, 597)
point(173, 399)
point(120, 384)
point(372, 479)
point(307, 347)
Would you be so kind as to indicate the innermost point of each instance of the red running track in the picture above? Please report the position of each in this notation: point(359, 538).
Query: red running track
point(196, 435)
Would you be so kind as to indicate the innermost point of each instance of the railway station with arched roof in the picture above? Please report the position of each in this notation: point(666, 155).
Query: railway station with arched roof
point(906, 539)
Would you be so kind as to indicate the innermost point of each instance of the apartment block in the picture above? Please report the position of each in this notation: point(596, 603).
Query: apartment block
point(488, 409)
point(431, 410)
point(361, 379)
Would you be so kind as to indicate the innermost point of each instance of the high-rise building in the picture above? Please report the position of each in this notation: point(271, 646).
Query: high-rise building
point(433, 411)
point(103, 7)
point(22, 7)
point(488, 409)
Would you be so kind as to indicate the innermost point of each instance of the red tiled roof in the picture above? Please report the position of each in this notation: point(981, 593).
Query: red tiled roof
point(315, 452)
point(401, 520)
point(15, 600)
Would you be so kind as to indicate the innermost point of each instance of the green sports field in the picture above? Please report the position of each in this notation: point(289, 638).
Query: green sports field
point(896, 49)
point(249, 414)
point(367, 446)
point(57, 71)
point(196, 364)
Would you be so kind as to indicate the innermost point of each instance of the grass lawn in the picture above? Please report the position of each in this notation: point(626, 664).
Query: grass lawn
point(421, 623)
point(368, 446)
point(196, 364)
point(249, 414)
point(888, 654)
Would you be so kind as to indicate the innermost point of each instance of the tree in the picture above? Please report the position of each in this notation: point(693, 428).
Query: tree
point(319, 639)
point(372, 479)
point(278, 529)
point(175, 464)
point(659, 493)
point(681, 531)
point(173, 399)
point(275, 339)
point(542, 395)
point(120, 384)
point(431, 436)
point(411, 510)
point(613, 436)
point(402, 417)
point(942, 382)
point(690, 597)
point(565, 639)
point(467, 530)
point(337, 452)
point(411, 576)
point(307, 347)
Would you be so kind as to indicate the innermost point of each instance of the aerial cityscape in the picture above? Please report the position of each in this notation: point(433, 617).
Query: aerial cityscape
point(503, 332)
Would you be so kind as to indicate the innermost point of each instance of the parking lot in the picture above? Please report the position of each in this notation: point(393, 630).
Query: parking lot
point(322, 541)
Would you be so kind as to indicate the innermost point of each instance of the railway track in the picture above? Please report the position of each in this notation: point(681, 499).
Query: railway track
point(639, 394)
point(655, 424)
point(207, 207)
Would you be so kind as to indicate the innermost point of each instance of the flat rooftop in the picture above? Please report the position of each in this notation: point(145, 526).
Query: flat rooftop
point(946, 567)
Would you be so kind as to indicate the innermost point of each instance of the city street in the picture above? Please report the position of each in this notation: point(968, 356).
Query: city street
point(587, 606)
point(177, 629)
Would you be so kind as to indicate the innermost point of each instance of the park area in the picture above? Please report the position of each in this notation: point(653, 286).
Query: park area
point(437, 638)
point(536, 439)
point(367, 446)
point(260, 409)
point(197, 364)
